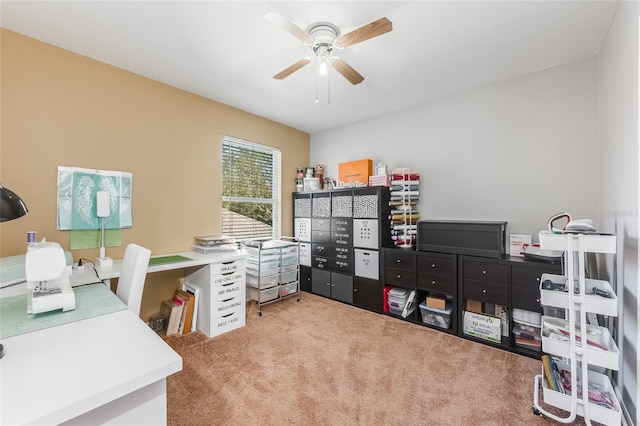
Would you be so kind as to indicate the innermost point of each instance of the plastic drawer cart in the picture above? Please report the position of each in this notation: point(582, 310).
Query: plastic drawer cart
point(582, 351)
point(273, 270)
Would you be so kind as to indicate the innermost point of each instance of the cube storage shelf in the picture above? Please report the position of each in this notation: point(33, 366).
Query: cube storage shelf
point(581, 347)
point(341, 232)
point(273, 270)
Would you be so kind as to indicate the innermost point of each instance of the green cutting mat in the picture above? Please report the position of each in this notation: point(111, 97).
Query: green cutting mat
point(167, 259)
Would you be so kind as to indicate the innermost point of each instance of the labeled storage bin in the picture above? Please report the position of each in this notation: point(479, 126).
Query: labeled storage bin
point(437, 317)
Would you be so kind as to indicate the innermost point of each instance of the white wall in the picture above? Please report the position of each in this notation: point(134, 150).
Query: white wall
point(619, 152)
point(520, 151)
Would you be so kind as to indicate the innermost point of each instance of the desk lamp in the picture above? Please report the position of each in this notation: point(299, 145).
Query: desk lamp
point(11, 207)
point(104, 211)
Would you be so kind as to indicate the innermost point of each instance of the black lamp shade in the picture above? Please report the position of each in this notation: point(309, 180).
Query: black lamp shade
point(11, 206)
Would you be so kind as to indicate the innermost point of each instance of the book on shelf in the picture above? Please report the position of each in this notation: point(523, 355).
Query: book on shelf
point(196, 297)
point(189, 300)
point(183, 311)
point(172, 313)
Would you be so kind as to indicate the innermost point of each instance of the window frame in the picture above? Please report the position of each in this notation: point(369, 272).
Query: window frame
point(276, 186)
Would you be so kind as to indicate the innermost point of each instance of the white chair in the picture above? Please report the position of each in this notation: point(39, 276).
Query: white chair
point(132, 276)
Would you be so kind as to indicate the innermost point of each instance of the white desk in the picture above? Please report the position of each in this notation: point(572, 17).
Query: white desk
point(196, 259)
point(109, 369)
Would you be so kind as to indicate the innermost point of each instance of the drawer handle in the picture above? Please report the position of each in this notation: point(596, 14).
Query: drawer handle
point(484, 272)
point(538, 300)
point(433, 265)
point(399, 276)
point(484, 290)
point(398, 261)
point(433, 282)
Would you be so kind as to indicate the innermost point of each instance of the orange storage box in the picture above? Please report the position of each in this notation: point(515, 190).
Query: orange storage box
point(355, 171)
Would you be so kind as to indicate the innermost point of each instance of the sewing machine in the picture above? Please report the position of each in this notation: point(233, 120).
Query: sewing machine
point(48, 287)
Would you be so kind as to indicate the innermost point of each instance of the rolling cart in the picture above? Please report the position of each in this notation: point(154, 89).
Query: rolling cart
point(574, 377)
point(272, 270)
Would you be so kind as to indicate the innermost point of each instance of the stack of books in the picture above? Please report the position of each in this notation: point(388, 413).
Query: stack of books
point(179, 313)
point(212, 244)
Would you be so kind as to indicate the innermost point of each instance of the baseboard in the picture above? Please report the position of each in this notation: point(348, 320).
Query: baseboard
point(626, 417)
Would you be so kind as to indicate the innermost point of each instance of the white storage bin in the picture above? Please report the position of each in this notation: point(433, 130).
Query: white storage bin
point(263, 295)
point(593, 302)
point(289, 260)
point(290, 250)
point(603, 352)
point(597, 412)
point(265, 255)
point(266, 268)
point(592, 244)
point(302, 228)
point(288, 277)
point(305, 254)
point(287, 289)
point(367, 263)
point(262, 282)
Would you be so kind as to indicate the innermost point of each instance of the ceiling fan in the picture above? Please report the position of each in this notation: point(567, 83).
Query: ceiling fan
point(323, 38)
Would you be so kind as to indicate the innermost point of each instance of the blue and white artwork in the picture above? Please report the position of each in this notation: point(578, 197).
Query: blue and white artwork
point(77, 198)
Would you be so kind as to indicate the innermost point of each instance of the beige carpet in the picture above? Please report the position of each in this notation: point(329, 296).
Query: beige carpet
point(321, 362)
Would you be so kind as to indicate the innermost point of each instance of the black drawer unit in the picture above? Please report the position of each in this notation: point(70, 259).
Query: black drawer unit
point(428, 275)
point(498, 287)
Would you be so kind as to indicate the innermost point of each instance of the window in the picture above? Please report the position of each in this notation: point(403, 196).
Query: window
point(250, 189)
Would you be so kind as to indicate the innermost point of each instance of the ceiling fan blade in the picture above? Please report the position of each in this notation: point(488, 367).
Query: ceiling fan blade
point(347, 71)
point(373, 29)
point(281, 20)
point(291, 69)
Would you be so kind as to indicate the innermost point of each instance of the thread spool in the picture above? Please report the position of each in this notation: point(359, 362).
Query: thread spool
point(31, 238)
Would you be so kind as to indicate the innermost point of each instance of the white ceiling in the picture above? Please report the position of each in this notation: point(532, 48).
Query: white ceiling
point(228, 51)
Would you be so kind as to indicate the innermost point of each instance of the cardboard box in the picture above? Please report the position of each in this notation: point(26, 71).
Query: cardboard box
point(436, 302)
point(474, 306)
point(354, 171)
point(517, 242)
point(482, 326)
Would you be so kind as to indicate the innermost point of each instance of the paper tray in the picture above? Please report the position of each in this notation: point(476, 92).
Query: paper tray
point(593, 303)
point(597, 412)
point(595, 356)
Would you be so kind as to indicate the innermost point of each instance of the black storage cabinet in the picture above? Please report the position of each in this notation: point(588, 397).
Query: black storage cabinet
point(473, 238)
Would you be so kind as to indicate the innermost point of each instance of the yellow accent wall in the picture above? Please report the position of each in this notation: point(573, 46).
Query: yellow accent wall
point(58, 108)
